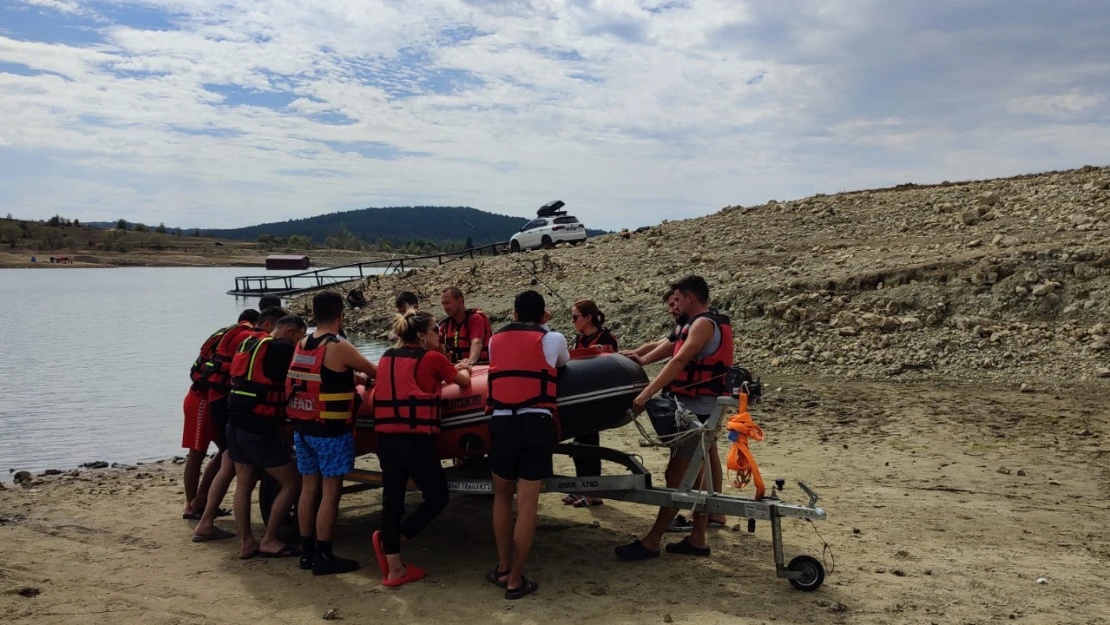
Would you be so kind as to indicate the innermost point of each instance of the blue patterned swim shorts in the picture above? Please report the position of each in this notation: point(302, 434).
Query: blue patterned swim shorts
point(330, 456)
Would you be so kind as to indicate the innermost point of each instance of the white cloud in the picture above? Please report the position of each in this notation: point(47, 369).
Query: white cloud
point(230, 112)
point(61, 6)
point(1063, 105)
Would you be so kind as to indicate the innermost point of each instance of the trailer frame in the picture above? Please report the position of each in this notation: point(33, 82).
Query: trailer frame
point(804, 572)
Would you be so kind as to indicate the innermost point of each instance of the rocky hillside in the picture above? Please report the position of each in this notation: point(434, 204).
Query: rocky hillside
point(1006, 279)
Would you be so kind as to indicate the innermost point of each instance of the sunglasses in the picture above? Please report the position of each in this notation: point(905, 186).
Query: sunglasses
point(577, 317)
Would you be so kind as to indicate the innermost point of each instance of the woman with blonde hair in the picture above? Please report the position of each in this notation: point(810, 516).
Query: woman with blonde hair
point(407, 409)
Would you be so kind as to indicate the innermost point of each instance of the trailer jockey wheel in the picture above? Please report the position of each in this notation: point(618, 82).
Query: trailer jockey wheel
point(813, 573)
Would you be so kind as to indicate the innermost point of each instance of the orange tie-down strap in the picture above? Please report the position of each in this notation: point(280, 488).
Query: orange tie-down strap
point(740, 459)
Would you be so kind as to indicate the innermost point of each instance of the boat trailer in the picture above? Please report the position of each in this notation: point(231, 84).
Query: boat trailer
point(804, 572)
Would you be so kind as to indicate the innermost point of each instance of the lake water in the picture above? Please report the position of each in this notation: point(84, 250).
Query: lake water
point(95, 363)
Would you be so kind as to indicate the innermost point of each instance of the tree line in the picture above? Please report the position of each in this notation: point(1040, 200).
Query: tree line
point(59, 233)
point(344, 239)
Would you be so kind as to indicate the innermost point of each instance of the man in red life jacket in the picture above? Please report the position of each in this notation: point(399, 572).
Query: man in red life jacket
point(698, 361)
point(523, 386)
point(199, 431)
point(256, 410)
point(465, 331)
point(321, 391)
point(218, 379)
point(716, 470)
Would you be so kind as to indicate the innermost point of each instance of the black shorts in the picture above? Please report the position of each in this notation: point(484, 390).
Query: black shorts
point(217, 412)
point(266, 450)
point(522, 446)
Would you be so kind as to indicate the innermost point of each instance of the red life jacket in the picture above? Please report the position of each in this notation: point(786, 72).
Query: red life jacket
point(456, 336)
point(705, 376)
point(251, 390)
point(207, 350)
point(307, 401)
point(582, 341)
point(520, 376)
point(217, 371)
point(400, 405)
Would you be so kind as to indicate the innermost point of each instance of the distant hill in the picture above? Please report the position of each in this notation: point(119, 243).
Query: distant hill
point(398, 224)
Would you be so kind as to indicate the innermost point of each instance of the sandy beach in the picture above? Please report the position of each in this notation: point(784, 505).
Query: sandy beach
point(946, 505)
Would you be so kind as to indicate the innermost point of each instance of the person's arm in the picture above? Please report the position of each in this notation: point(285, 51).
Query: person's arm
point(700, 334)
point(477, 331)
point(351, 357)
point(644, 349)
point(447, 372)
point(476, 349)
point(555, 349)
point(462, 378)
point(663, 350)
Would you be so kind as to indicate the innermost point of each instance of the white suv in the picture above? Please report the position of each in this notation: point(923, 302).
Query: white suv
point(550, 227)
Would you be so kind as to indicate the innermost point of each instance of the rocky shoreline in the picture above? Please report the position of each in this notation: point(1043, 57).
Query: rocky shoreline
point(1006, 280)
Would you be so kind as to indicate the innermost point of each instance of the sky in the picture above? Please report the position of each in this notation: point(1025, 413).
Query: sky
point(225, 113)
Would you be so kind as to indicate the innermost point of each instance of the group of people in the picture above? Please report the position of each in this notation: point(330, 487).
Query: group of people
point(247, 379)
point(250, 376)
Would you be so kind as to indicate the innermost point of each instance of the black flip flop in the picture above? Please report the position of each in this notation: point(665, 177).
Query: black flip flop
point(196, 516)
point(526, 588)
point(683, 547)
point(288, 551)
point(635, 552)
point(219, 534)
point(586, 502)
point(494, 577)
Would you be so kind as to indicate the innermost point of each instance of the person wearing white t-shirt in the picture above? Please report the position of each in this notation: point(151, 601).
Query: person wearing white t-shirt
point(523, 386)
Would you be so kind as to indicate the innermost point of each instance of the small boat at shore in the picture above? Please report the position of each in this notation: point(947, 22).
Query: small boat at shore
point(596, 389)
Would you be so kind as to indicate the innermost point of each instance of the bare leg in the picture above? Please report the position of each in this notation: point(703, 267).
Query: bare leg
point(717, 472)
point(676, 468)
point(306, 506)
point(527, 505)
point(193, 463)
point(701, 520)
point(329, 508)
point(217, 493)
point(206, 479)
point(503, 491)
point(244, 487)
point(290, 482)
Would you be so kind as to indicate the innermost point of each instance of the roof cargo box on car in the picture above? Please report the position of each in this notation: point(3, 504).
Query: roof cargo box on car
point(551, 209)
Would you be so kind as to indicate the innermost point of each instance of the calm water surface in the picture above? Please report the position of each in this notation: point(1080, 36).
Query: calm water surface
point(95, 363)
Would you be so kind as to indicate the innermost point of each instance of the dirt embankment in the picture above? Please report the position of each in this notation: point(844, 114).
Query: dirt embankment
point(1007, 279)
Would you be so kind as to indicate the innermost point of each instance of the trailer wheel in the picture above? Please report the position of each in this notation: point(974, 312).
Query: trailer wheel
point(813, 574)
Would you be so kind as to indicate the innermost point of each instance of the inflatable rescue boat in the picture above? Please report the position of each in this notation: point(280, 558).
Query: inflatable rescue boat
point(596, 389)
